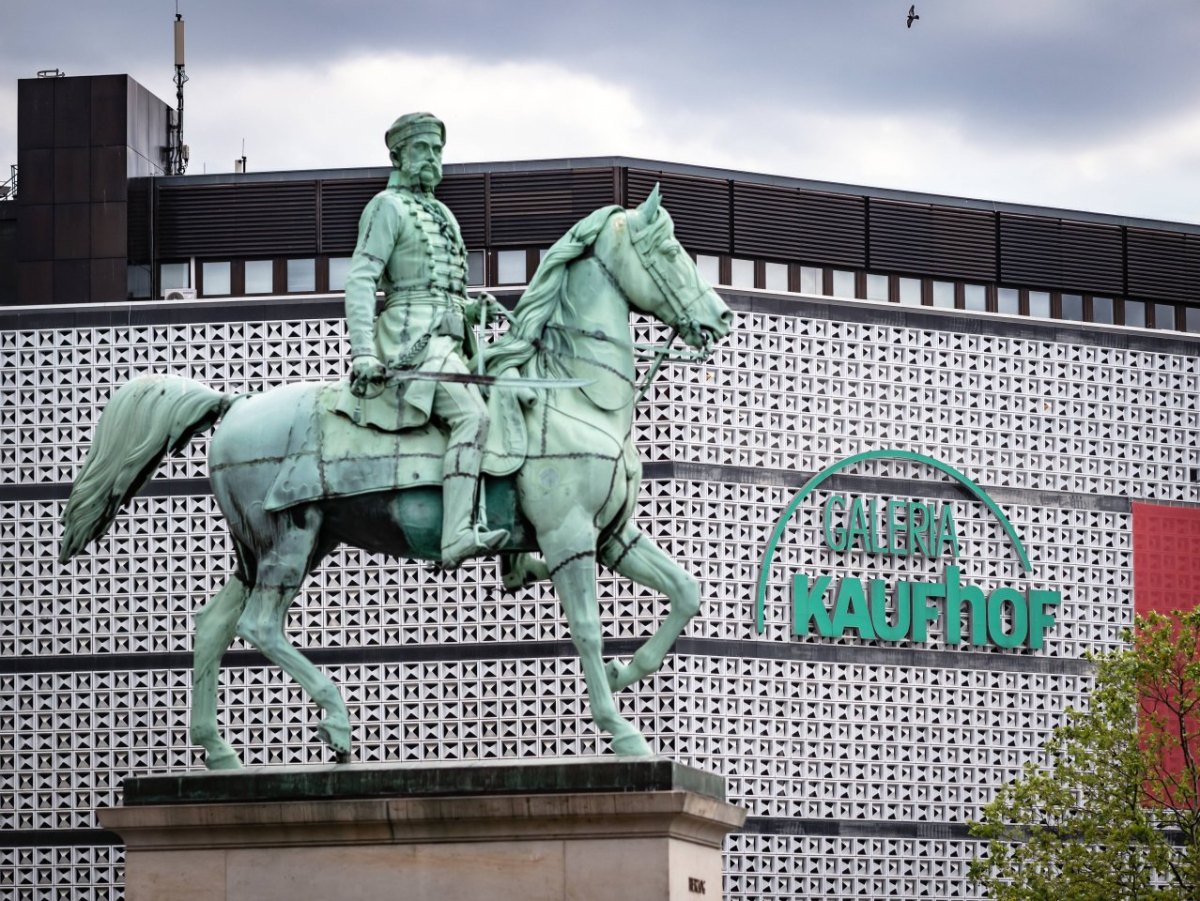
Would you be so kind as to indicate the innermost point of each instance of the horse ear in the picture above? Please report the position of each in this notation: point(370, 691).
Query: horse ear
point(649, 208)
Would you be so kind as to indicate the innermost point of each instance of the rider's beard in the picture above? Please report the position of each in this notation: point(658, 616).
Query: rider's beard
point(424, 178)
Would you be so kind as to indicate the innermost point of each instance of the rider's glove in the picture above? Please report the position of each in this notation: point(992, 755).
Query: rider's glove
point(366, 375)
point(495, 309)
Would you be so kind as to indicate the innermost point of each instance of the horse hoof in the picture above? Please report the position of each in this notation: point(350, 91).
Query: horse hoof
point(334, 730)
point(224, 759)
point(632, 745)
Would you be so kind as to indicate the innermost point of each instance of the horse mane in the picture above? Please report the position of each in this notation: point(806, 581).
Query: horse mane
point(545, 295)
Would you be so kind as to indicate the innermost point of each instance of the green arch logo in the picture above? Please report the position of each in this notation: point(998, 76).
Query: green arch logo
point(812, 484)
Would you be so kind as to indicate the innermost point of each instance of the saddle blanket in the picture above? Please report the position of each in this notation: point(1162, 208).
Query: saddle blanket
point(328, 455)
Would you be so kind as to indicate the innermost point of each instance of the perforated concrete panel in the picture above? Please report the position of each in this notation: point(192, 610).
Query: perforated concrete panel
point(859, 761)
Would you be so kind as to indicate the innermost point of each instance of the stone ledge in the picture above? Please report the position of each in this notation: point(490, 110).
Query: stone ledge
point(574, 775)
point(568, 817)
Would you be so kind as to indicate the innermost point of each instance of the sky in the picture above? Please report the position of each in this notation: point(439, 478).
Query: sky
point(1080, 104)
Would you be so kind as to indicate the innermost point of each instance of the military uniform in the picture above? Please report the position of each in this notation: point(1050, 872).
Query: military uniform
point(410, 248)
point(409, 245)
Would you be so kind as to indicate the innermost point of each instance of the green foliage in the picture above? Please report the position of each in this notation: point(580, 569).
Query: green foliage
point(1112, 809)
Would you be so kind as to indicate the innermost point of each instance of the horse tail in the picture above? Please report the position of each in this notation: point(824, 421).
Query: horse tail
point(146, 417)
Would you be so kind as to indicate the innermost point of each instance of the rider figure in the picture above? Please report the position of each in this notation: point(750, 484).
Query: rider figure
point(410, 248)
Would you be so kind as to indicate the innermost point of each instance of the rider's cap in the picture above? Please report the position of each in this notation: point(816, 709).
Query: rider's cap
point(410, 124)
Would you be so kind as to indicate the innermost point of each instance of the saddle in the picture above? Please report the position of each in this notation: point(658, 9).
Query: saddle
point(329, 455)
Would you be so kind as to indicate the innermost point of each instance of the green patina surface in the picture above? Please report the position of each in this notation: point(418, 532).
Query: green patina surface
point(399, 475)
point(585, 775)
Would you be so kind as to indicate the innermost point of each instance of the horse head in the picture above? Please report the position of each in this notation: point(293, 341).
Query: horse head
point(656, 275)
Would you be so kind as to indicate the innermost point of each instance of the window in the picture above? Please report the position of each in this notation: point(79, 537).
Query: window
point(776, 276)
point(260, 277)
point(1102, 310)
point(174, 275)
point(475, 271)
point(301, 276)
point(1008, 300)
point(1191, 319)
point(975, 297)
point(1164, 315)
point(843, 283)
point(943, 294)
point(910, 291)
point(1039, 304)
point(1072, 307)
point(510, 267)
point(215, 278)
point(741, 273)
point(1135, 313)
point(710, 268)
point(877, 286)
point(339, 268)
point(810, 280)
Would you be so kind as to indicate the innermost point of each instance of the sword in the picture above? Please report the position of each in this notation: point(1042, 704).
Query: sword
point(473, 378)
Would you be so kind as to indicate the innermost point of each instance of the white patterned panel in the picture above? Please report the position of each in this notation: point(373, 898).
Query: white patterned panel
point(833, 735)
point(851, 741)
point(138, 587)
point(789, 866)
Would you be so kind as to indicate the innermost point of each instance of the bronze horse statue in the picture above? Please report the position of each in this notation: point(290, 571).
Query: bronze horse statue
point(574, 492)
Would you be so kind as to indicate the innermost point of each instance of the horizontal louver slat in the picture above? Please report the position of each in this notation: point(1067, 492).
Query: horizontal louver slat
point(256, 219)
point(799, 225)
point(537, 208)
point(466, 197)
point(698, 206)
point(1159, 265)
point(901, 237)
point(1060, 254)
point(1092, 258)
point(1030, 251)
point(342, 203)
point(964, 244)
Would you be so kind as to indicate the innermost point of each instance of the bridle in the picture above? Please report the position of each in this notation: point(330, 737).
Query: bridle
point(681, 308)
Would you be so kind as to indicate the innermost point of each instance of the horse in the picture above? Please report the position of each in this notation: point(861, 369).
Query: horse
point(575, 492)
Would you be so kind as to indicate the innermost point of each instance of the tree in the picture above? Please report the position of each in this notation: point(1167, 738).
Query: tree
point(1112, 809)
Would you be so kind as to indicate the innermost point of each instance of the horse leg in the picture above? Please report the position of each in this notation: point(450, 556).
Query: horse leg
point(639, 559)
point(216, 624)
point(519, 570)
point(573, 570)
point(279, 576)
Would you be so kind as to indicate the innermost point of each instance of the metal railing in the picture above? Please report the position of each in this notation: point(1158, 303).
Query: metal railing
point(8, 190)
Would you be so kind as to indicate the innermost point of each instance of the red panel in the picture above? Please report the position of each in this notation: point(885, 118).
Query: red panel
point(1166, 558)
point(1166, 577)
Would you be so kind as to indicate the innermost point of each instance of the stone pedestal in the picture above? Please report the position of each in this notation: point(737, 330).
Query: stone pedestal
point(581, 829)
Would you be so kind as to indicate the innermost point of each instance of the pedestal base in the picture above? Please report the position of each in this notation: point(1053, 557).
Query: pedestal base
point(580, 829)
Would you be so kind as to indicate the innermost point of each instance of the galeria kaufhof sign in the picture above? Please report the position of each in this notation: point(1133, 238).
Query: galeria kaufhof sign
point(855, 525)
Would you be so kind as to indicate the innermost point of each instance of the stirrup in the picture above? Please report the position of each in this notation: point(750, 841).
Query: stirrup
point(470, 543)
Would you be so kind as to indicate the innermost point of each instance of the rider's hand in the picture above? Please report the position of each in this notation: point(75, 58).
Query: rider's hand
point(366, 375)
point(495, 309)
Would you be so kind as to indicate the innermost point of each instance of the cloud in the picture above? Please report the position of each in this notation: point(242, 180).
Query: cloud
point(1079, 103)
point(334, 115)
point(1153, 171)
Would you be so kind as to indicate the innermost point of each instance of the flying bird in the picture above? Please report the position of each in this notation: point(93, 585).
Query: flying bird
point(912, 15)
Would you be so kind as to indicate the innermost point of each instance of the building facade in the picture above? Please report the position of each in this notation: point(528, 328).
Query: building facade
point(918, 391)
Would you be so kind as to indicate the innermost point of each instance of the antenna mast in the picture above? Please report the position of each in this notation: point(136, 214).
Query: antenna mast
point(177, 151)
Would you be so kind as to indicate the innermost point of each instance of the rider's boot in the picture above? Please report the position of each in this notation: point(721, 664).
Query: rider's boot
point(462, 536)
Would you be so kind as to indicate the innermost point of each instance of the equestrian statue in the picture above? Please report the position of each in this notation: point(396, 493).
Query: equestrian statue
point(407, 457)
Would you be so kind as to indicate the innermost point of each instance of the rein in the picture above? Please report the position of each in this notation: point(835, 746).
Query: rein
point(658, 353)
